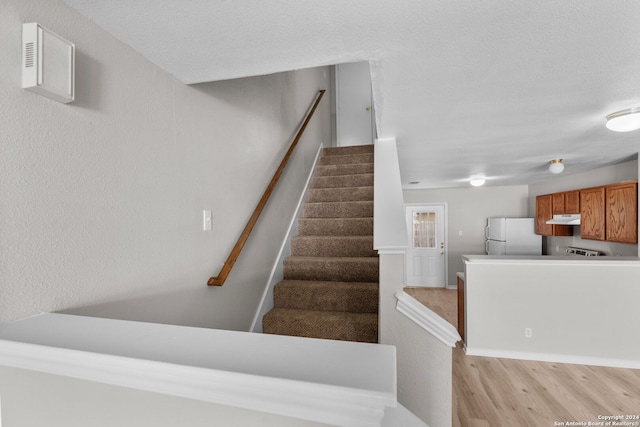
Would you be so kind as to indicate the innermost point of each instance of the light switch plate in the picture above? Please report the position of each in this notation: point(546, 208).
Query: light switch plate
point(206, 220)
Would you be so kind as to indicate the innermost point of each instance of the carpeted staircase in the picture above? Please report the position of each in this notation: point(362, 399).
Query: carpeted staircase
point(330, 286)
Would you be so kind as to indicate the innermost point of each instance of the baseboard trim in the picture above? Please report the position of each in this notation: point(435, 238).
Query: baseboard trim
point(277, 272)
point(392, 251)
point(555, 358)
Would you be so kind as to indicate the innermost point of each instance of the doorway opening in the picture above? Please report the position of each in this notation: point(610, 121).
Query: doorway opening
point(426, 260)
point(355, 124)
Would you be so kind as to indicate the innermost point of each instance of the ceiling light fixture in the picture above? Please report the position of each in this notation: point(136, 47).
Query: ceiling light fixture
point(556, 166)
point(625, 120)
point(477, 182)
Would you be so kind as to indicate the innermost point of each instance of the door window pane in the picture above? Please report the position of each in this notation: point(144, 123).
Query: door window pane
point(424, 230)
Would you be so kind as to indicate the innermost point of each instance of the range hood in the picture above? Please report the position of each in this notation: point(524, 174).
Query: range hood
point(573, 219)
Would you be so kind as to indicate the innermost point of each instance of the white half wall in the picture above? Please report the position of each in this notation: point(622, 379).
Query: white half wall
point(389, 227)
point(102, 199)
point(424, 363)
point(577, 311)
point(64, 401)
point(340, 383)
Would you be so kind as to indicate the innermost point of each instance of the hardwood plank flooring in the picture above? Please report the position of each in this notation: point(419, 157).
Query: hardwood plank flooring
point(505, 392)
point(440, 300)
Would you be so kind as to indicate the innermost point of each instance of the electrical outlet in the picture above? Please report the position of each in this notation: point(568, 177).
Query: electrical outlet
point(528, 332)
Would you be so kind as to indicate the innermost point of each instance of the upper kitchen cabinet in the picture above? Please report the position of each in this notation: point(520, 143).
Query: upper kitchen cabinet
point(622, 212)
point(592, 213)
point(544, 212)
point(545, 208)
point(610, 213)
point(557, 203)
point(572, 202)
point(567, 202)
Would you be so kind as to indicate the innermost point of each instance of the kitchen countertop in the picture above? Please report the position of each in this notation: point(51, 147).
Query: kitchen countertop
point(554, 259)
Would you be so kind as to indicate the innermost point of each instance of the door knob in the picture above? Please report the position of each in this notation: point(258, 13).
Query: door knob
point(368, 107)
point(441, 252)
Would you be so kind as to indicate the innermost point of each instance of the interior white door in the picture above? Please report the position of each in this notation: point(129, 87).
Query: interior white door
point(354, 109)
point(426, 257)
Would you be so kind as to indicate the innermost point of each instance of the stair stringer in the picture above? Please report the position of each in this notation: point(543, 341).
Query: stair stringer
point(277, 271)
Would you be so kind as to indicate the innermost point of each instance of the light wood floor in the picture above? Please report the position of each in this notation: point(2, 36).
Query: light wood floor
point(504, 392)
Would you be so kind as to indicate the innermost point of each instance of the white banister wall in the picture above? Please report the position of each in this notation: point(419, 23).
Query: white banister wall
point(145, 374)
point(63, 401)
point(424, 362)
point(390, 232)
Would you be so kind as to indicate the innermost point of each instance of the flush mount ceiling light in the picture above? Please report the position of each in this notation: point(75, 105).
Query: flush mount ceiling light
point(556, 166)
point(477, 182)
point(625, 120)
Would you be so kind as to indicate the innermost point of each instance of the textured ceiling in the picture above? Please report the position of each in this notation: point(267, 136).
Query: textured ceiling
point(493, 88)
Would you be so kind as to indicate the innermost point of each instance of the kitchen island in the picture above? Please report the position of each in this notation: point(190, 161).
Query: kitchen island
point(554, 308)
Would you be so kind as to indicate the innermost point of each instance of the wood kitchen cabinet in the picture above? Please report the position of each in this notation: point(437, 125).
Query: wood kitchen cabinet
point(557, 203)
point(592, 213)
point(572, 202)
point(566, 202)
point(608, 212)
point(545, 211)
point(621, 216)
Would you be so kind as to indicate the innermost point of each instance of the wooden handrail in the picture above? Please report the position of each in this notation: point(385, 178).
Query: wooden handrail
point(235, 252)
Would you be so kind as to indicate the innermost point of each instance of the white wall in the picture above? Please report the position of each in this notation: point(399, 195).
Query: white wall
point(68, 402)
point(468, 210)
point(580, 311)
point(102, 199)
point(389, 227)
point(424, 363)
point(607, 175)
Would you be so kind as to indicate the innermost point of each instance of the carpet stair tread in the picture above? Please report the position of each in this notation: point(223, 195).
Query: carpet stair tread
point(333, 246)
point(339, 181)
point(335, 226)
point(334, 325)
point(354, 209)
point(357, 297)
point(347, 169)
point(346, 159)
point(345, 194)
point(340, 269)
point(341, 151)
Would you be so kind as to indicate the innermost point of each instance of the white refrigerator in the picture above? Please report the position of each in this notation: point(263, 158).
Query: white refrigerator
point(512, 236)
